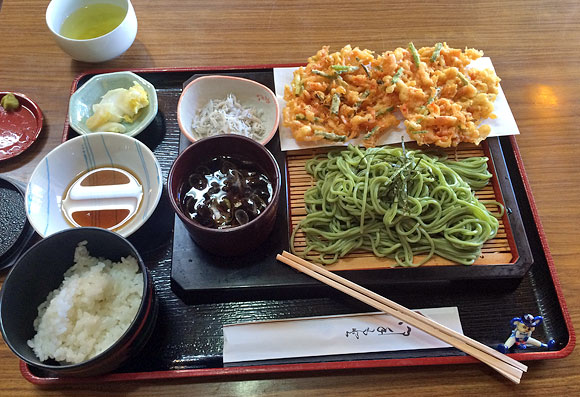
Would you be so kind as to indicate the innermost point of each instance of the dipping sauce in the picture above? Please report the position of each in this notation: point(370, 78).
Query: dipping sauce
point(225, 192)
point(92, 21)
point(105, 197)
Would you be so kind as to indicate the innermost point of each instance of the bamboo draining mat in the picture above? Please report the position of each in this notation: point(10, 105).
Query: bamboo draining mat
point(494, 252)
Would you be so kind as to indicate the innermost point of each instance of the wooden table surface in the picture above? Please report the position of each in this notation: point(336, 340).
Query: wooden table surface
point(535, 48)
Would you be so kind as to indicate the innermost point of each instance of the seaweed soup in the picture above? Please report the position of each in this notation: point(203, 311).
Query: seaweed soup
point(225, 192)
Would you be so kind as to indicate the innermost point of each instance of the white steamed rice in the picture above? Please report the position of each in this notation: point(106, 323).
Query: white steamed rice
point(92, 308)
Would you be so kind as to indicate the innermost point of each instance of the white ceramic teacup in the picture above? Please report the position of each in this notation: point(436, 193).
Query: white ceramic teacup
point(101, 48)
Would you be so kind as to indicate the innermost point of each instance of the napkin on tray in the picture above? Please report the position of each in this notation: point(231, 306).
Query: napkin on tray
point(331, 335)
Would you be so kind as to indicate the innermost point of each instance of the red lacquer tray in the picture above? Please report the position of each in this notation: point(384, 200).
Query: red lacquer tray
point(187, 341)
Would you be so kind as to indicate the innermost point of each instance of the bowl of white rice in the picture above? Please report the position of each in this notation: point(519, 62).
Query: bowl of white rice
point(78, 303)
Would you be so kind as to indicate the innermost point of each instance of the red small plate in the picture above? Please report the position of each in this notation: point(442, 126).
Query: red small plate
point(19, 128)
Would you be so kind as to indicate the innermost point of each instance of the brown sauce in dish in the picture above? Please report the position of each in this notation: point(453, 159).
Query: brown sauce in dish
point(108, 210)
point(105, 177)
point(105, 219)
point(225, 192)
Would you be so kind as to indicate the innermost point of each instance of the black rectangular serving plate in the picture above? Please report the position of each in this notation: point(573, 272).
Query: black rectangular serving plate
point(189, 336)
point(201, 277)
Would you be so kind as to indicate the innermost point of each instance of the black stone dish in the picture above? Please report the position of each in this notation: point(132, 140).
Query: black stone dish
point(15, 230)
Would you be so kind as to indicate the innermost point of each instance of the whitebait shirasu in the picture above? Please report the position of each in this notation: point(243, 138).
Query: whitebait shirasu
point(228, 116)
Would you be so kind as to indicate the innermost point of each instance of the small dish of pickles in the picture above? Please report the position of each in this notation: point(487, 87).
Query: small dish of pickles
point(120, 102)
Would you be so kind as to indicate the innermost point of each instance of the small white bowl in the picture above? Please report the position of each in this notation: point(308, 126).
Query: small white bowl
point(248, 92)
point(81, 102)
point(64, 164)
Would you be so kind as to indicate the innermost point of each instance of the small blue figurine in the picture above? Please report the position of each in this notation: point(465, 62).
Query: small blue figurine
point(521, 336)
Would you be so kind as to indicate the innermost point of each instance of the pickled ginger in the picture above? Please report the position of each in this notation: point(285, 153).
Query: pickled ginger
point(117, 107)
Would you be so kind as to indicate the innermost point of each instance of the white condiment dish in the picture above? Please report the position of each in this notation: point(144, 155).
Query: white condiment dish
point(98, 49)
point(249, 93)
point(82, 100)
point(54, 175)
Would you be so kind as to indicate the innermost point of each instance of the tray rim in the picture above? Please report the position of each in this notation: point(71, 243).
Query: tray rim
point(329, 365)
point(272, 369)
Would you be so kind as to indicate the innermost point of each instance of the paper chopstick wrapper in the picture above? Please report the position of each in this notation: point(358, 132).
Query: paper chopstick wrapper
point(504, 124)
point(331, 335)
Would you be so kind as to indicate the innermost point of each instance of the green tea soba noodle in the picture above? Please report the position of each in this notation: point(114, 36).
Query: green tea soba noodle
point(395, 203)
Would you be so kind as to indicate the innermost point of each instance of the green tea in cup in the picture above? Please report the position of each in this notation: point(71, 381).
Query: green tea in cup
point(92, 20)
point(92, 30)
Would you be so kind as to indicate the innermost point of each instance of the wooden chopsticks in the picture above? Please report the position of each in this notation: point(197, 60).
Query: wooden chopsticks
point(503, 364)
